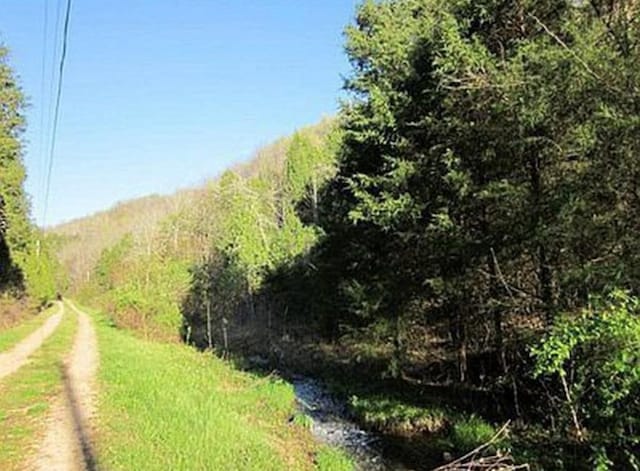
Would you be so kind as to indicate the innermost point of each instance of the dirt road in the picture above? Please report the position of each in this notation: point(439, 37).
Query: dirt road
point(66, 445)
point(11, 361)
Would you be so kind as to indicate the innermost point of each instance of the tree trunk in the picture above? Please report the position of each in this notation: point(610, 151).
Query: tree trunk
point(494, 292)
point(461, 345)
point(546, 288)
point(315, 201)
point(544, 270)
point(210, 339)
point(398, 348)
point(225, 338)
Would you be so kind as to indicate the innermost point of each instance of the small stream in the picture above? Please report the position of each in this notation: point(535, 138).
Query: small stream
point(331, 425)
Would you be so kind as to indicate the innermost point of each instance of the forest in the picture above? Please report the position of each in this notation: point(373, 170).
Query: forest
point(455, 250)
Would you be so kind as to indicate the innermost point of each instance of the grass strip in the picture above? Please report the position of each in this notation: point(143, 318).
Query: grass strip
point(10, 337)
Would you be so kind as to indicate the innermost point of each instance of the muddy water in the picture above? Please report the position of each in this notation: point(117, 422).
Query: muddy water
point(331, 425)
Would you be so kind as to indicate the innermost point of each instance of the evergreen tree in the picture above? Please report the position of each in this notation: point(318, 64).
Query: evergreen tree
point(487, 161)
point(15, 228)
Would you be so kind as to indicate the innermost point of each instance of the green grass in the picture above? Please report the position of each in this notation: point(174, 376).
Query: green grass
point(13, 335)
point(442, 428)
point(302, 420)
point(166, 406)
point(470, 432)
point(392, 415)
point(25, 396)
point(331, 459)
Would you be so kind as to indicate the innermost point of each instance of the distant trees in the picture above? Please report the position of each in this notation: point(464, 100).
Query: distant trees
point(204, 253)
point(595, 358)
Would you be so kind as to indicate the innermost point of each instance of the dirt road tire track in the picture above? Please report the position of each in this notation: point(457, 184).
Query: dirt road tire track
point(14, 359)
point(66, 445)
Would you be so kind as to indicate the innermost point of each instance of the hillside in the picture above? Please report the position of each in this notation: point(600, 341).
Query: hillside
point(174, 232)
point(84, 239)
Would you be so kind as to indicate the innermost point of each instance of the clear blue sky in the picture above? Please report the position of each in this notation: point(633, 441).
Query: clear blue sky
point(161, 94)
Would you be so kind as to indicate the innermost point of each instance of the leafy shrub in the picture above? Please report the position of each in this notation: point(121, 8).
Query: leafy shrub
point(595, 356)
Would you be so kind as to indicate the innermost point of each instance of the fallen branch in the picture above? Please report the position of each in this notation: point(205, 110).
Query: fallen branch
point(475, 461)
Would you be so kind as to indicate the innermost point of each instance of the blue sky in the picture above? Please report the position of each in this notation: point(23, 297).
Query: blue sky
point(162, 94)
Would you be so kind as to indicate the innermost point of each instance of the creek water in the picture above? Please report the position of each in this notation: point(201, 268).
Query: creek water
point(331, 425)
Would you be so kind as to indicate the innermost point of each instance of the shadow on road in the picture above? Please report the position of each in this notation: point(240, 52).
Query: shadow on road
point(80, 429)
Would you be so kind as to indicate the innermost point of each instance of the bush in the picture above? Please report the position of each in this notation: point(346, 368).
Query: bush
point(595, 359)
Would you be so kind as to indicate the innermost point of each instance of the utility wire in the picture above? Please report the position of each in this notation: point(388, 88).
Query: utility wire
point(56, 113)
point(57, 13)
point(43, 145)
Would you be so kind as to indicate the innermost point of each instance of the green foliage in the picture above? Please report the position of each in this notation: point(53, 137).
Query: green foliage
point(12, 171)
point(43, 272)
point(485, 171)
point(111, 262)
point(597, 353)
point(257, 229)
point(15, 229)
point(207, 259)
point(143, 289)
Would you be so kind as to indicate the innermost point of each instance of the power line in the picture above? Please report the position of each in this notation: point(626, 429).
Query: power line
point(57, 14)
point(43, 144)
point(56, 113)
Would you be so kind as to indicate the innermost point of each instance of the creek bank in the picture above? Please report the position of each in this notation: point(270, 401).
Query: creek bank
point(332, 425)
point(326, 402)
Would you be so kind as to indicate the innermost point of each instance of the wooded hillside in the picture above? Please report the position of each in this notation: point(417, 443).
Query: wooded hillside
point(139, 256)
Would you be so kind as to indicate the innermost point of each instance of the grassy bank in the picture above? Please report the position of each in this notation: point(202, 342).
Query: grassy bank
point(421, 426)
point(164, 406)
point(25, 396)
point(13, 335)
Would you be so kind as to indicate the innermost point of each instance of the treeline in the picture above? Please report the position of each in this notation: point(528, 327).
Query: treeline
point(28, 265)
point(469, 219)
